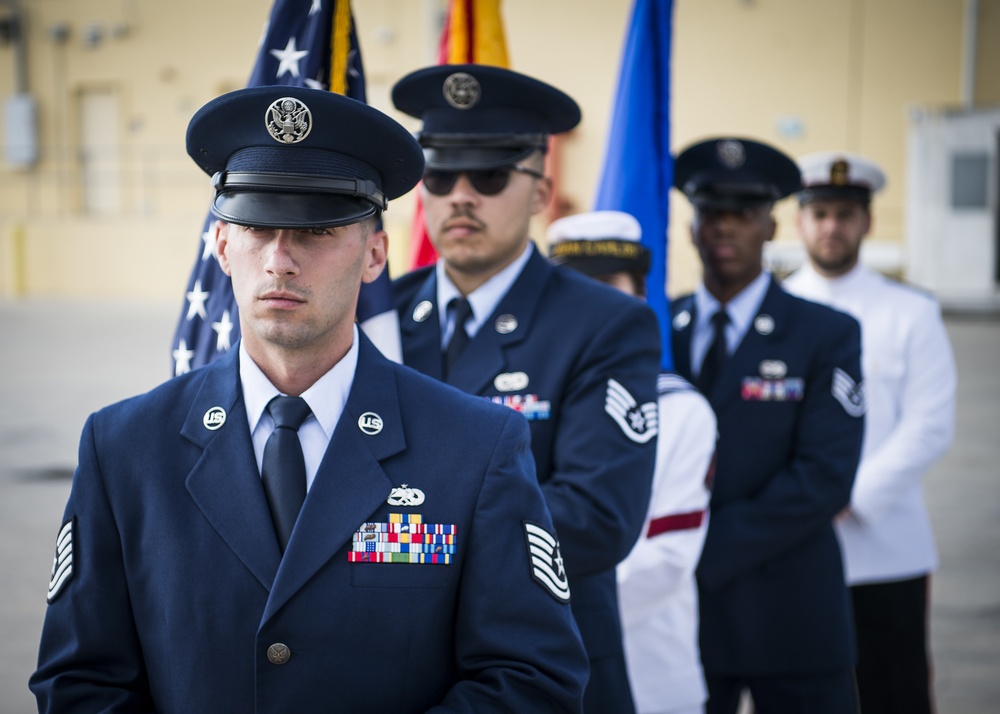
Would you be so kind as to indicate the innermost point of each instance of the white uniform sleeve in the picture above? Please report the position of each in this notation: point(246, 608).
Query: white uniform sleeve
point(677, 515)
point(926, 418)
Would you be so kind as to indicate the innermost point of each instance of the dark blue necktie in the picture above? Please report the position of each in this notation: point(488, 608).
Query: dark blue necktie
point(462, 310)
point(717, 353)
point(283, 469)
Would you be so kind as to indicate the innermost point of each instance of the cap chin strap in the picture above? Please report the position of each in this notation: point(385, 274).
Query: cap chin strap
point(285, 183)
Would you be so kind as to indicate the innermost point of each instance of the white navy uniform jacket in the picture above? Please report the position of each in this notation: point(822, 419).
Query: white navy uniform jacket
point(910, 379)
point(656, 584)
point(178, 598)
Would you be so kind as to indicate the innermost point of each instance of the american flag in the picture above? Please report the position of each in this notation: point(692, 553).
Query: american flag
point(306, 43)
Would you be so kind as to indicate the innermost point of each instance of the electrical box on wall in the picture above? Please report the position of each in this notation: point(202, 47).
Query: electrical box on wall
point(20, 131)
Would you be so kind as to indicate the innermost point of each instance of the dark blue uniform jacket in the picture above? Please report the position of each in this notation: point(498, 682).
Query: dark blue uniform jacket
point(555, 348)
point(179, 588)
point(771, 581)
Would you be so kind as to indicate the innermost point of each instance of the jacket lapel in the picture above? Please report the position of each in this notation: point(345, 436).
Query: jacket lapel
point(483, 358)
point(682, 327)
point(350, 484)
point(225, 483)
point(421, 331)
point(755, 346)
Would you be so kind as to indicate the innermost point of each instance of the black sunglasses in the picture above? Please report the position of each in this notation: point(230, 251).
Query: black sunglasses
point(488, 182)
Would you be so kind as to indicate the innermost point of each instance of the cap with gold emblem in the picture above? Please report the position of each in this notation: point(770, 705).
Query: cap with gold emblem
point(296, 157)
point(481, 117)
point(839, 175)
point(598, 243)
point(731, 173)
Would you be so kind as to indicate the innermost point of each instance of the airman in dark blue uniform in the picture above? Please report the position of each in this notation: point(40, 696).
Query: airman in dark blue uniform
point(784, 378)
point(577, 359)
point(418, 568)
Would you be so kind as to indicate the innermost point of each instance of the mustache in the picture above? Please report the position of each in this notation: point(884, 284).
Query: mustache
point(465, 215)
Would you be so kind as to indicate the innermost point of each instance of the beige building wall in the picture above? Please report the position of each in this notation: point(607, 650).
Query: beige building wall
point(803, 74)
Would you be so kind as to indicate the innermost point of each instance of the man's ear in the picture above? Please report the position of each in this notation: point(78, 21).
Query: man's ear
point(376, 255)
point(221, 230)
point(773, 229)
point(542, 196)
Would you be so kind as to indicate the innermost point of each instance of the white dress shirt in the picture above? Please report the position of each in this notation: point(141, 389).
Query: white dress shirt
point(483, 299)
point(910, 380)
point(742, 309)
point(326, 398)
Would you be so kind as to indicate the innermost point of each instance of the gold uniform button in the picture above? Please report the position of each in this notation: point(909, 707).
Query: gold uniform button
point(278, 653)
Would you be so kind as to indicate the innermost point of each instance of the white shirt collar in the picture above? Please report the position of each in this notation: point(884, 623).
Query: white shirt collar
point(483, 299)
point(327, 397)
point(742, 308)
point(807, 279)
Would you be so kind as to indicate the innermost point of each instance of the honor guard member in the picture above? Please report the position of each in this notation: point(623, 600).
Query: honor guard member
point(494, 318)
point(656, 585)
point(303, 525)
point(910, 380)
point(784, 378)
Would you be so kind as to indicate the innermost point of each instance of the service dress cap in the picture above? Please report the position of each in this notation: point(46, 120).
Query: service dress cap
point(293, 157)
point(730, 173)
point(482, 117)
point(598, 243)
point(839, 175)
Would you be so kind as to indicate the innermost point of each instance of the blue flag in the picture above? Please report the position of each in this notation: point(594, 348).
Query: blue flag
point(308, 43)
point(638, 168)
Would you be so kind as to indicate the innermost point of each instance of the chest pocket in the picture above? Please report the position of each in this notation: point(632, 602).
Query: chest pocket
point(402, 575)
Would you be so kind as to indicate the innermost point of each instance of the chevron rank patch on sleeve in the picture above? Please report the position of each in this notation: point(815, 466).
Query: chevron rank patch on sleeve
point(62, 563)
point(638, 423)
point(849, 393)
point(546, 561)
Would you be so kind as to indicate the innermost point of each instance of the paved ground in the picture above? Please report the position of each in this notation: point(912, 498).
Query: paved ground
point(61, 360)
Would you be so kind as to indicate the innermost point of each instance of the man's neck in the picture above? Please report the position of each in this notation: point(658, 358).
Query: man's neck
point(293, 371)
point(724, 291)
point(834, 273)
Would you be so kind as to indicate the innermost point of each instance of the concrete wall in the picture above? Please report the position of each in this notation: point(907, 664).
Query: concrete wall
point(804, 74)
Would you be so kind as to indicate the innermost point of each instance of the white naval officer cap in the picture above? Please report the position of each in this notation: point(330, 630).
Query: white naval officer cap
point(598, 243)
point(839, 175)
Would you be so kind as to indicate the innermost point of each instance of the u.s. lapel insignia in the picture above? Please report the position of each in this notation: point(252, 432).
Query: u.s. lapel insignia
point(546, 561)
point(681, 320)
point(506, 324)
point(638, 422)
point(62, 563)
point(405, 496)
point(849, 393)
point(511, 381)
point(422, 311)
point(214, 418)
point(764, 324)
point(370, 423)
point(773, 369)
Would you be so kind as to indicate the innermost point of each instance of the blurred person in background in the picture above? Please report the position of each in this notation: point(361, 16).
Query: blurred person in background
point(910, 380)
point(656, 585)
